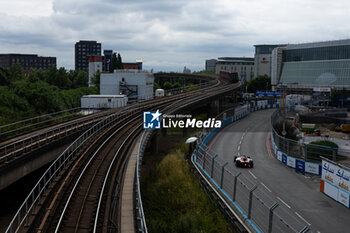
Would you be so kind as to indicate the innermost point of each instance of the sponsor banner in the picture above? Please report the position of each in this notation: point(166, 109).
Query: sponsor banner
point(312, 168)
point(322, 89)
point(343, 179)
point(336, 175)
point(269, 93)
point(284, 158)
point(343, 198)
point(330, 190)
point(279, 155)
point(329, 173)
point(300, 165)
point(290, 161)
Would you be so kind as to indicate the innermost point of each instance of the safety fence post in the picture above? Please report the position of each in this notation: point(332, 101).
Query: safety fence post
point(274, 206)
point(222, 174)
point(250, 200)
point(212, 166)
point(235, 186)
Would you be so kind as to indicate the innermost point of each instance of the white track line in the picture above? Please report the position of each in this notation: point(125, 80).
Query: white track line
point(302, 218)
point(251, 173)
point(283, 202)
point(239, 147)
point(266, 187)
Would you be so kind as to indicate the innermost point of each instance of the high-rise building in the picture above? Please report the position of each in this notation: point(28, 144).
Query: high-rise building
point(312, 66)
point(84, 49)
point(27, 61)
point(210, 65)
point(262, 59)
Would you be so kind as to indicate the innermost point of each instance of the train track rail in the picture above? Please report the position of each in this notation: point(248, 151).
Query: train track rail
point(26, 144)
point(83, 195)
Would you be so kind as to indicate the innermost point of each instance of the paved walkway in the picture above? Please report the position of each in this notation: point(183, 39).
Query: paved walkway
point(127, 211)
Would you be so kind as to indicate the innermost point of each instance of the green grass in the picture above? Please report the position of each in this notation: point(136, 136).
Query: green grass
point(174, 201)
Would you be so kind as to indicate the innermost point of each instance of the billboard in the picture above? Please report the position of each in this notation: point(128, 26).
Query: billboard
point(337, 182)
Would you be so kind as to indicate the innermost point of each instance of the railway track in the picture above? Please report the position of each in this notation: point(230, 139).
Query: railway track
point(26, 144)
point(84, 196)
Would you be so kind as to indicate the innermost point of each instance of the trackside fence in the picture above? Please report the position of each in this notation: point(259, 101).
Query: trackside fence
point(304, 157)
point(252, 204)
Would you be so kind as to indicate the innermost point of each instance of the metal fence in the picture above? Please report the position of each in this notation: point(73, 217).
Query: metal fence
point(20, 127)
point(299, 149)
point(259, 208)
point(140, 216)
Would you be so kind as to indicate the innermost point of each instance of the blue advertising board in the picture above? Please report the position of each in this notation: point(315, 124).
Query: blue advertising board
point(300, 165)
point(269, 93)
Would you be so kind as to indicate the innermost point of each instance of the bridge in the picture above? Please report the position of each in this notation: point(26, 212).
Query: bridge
point(85, 187)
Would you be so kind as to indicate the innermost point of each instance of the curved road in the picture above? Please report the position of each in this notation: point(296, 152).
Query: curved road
point(298, 193)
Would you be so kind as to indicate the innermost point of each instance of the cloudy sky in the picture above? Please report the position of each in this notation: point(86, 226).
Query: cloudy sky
point(167, 35)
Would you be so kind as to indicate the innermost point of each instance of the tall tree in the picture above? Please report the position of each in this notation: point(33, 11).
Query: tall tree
point(96, 79)
point(262, 82)
point(15, 72)
point(120, 62)
point(114, 62)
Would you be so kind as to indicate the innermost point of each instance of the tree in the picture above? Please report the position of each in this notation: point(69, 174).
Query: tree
point(120, 63)
point(168, 85)
point(80, 79)
point(4, 77)
point(61, 79)
point(96, 79)
point(114, 64)
point(15, 72)
point(262, 82)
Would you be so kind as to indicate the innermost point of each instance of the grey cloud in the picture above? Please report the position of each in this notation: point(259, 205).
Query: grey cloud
point(170, 34)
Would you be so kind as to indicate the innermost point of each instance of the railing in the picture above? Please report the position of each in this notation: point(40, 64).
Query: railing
point(20, 127)
point(297, 149)
point(258, 208)
point(179, 90)
point(11, 150)
point(28, 206)
point(141, 222)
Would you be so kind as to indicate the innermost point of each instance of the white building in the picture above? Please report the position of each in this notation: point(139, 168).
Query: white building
point(243, 66)
point(135, 84)
point(95, 64)
point(103, 101)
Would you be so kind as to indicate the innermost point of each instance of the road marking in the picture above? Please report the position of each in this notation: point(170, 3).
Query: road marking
point(239, 154)
point(302, 218)
point(251, 173)
point(318, 231)
point(240, 142)
point(283, 202)
point(239, 147)
point(266, 187)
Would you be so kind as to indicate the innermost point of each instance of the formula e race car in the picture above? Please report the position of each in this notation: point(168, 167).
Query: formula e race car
point(243, 161)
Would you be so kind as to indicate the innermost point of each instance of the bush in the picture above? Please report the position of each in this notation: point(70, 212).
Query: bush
point(174, 201)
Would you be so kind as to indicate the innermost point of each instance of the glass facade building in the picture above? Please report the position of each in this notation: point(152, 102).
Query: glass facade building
point(321, 64)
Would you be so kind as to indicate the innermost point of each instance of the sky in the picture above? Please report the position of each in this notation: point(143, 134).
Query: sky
point(167, 35)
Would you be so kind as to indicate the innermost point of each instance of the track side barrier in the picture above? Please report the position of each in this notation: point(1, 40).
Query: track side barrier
point(249, 203)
